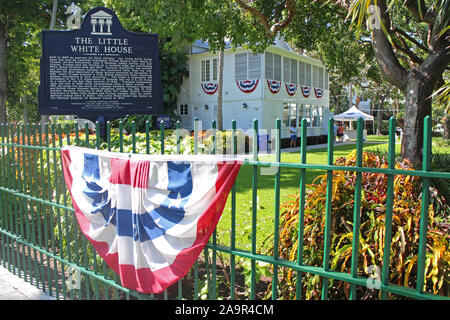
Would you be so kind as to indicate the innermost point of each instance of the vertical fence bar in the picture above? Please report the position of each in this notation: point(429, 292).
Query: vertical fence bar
point(75, 225)
point(147, 137)
point(42, 219)
point(180, 282)
point(233, 220)
point(389, 207)
point(301, 204)
point(276, 236)
point(58, 219)
point(15, 212)
point(68, 251)
point(32, 182)
point(23, 182)
point(19, 217)
point(161, 132)
point(3, 194)
point(196, 262)
point(133, 135)
point(254, 207)
point(162, 136)
point(9, 220)
point(329, 199)
point(120, 136)
point(195, 135)
point(426, 166)
point(357, 208)
point(214, 235)
point(178, 126)
point(51, 213)
point(108, 135)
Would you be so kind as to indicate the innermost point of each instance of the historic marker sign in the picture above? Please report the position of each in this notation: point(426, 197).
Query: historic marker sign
point(100, 69)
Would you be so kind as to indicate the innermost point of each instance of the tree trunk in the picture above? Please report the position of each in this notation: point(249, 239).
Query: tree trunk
point(446, 133)
point(220, 91)
point(3, 74)
point(418, 91)
point(417, 107)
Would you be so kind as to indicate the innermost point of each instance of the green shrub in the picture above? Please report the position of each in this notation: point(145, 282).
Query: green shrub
point(405, 231)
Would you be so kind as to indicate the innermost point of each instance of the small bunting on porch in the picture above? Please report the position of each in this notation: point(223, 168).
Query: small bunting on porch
point(291, 88)
point(318, 92)
point(306, 91)
point(209, 87)
point(247, 86)
point(274, 85)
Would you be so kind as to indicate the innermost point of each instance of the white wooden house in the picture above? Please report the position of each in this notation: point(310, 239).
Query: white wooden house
point(276, 84)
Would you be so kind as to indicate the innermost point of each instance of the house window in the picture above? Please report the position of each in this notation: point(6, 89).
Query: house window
point(286, 116)
point(286, 69)
point(305, 112)
point(316, 71)
point(326, 80)
point(308, 72)
point(209, 73)
point(290, 115)
point(183, 109)
point(214, 69)
point(206, 69)
point(294, 71)
point(301, 72)
point(254, 66)
point(273, 66)
point(269, 65)
point(247, 66)
point(321, 84)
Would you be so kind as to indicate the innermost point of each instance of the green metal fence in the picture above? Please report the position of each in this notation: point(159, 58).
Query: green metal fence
point(40, 240)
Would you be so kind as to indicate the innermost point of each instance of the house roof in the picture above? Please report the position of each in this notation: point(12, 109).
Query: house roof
point(203, 46)
point(200, 46)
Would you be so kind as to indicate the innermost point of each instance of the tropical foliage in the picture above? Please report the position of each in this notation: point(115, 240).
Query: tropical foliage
point(405, 231)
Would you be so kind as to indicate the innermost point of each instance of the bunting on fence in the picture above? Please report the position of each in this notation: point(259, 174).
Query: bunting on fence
point(291, 88)
point(148, 217)
point(247, 86)
point(318, 93)
point(306, 91)
point(209, 87)
point(274, 85)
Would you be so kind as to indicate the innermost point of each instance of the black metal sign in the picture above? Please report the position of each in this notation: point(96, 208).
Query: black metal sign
point(100, 69)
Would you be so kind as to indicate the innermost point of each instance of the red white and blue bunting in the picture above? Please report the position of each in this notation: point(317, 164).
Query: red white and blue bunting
point(274, 85)
point(318, 92)
point(291, 88)
point(247, 86)
point(306, 91)
point(209, 87)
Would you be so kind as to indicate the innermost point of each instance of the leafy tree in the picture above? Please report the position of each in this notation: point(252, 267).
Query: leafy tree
point(409, 39)
point(20, 24)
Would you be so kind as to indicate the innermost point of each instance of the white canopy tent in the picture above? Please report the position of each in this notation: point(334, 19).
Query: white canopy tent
point(353, 114)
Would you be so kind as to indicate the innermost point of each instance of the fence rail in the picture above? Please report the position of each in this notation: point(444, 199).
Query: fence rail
point(40, 240)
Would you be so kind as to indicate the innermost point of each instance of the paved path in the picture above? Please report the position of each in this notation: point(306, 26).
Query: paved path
point(14, 288)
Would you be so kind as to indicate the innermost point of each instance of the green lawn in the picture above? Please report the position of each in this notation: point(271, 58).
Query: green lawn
point(289, 185)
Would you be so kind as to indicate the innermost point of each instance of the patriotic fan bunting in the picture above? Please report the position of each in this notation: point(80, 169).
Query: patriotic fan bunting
point(291, 88)
point(247, 86)
point(306, 91)
point(274, 85)
point(149, 217)
point(318, 93)
point(209, 87)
